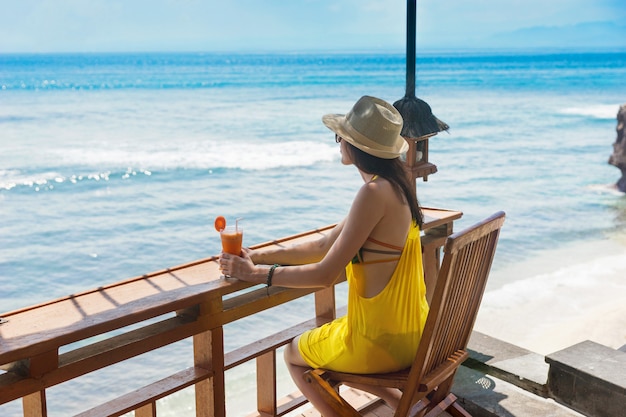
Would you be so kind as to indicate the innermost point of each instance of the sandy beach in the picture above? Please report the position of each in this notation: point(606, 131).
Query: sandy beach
point(554, 306)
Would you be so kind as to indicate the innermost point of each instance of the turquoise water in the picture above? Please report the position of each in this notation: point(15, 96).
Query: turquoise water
point(114, 165)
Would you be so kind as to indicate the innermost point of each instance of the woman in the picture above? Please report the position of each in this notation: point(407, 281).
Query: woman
point(377, 246)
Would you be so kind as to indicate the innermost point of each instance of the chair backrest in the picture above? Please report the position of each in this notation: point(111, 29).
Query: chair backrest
point(467, 259)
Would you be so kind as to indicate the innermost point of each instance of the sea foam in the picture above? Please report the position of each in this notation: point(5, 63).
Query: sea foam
point(603, 111)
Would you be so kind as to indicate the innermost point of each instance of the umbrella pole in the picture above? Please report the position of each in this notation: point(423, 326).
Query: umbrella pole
point(411, 13)
point(411, 17)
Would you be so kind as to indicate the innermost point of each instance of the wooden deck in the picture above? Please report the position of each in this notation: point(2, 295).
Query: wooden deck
point(368, 404)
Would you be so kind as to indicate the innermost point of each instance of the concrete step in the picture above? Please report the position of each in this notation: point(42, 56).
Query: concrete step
point(484, 395)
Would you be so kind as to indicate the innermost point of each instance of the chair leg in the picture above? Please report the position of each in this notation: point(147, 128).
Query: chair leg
point(418, 409)
point(340, 406)
point(456, 410)
point(449, 405)
point(441, 406)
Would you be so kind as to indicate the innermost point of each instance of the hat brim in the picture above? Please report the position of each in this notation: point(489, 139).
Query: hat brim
point(337, 123)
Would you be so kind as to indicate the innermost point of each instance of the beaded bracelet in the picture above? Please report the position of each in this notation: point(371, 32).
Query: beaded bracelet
point(270, 274)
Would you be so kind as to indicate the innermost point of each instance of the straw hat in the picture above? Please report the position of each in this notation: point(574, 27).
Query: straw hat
point(372, 125)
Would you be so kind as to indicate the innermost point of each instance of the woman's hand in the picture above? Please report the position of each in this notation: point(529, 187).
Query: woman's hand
point(240, 267)
point(252, 254)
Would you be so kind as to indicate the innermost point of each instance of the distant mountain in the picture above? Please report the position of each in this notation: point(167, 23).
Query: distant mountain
point(589, 34)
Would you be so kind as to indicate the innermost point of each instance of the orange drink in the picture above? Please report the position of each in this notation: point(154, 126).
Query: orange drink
point(232, 238)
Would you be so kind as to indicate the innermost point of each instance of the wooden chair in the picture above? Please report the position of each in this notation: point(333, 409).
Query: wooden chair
point(458, 292)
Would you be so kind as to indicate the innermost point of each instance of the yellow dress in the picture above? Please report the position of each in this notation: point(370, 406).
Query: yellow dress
point(378, 334)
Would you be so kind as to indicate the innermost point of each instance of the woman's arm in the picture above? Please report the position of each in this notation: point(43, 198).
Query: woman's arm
point(366, 211)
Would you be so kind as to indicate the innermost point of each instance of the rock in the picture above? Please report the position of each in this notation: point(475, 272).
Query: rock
point(618, 158)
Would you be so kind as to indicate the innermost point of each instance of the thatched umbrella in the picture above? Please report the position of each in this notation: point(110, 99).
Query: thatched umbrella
point(419, 121)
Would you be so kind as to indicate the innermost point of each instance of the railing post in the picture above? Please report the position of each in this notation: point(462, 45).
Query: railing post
point(148, 410)
point(325, 307)
point(208, 347)
point(35, 404)
point(432, 242)
point(266, 383)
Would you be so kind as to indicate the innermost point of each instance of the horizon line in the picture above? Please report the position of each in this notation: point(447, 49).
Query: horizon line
point(314, 51)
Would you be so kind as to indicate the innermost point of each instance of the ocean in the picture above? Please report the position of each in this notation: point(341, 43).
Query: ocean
point(115, 165)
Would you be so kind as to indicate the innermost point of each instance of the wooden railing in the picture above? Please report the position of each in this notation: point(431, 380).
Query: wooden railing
point(188, 301)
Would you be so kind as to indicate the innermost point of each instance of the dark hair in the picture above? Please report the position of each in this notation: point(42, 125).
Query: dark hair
point(394, 171)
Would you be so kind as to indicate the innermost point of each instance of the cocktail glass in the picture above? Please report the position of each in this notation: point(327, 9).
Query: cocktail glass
point(232, 237)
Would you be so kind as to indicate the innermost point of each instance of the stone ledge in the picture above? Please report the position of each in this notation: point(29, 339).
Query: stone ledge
point(589, 377)
point(510, 363)
point(487, 396)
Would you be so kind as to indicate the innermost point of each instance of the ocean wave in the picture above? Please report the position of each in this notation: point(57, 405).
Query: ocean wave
point(102, 164)
point(48, 180)
point(610, 189)
point(205, 155)
point(598, 111)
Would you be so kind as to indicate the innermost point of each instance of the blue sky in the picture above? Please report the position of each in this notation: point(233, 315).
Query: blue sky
point(291, 25)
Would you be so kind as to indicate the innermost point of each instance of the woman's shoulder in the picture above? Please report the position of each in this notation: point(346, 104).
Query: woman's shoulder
point(377, 188)
point(376, 196)
point(370, 200)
